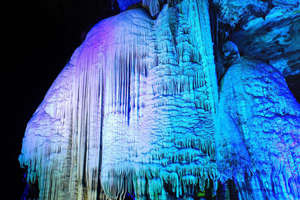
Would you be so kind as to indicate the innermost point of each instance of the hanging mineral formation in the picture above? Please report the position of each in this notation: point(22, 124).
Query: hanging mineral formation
point(137, 110)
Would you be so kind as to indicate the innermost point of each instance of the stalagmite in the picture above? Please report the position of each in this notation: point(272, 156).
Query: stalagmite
point(138, 111)
point(264, 122)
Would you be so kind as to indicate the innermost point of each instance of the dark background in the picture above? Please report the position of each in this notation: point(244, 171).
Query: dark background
point(42, 35)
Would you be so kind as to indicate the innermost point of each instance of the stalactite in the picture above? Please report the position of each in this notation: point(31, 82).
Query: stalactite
point(123, 90)
point(170, 86)
point(137, 111)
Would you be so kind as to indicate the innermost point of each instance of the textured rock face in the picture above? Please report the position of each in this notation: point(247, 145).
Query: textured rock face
point(153, 6)
point(232, 12)
point(264, 30)
point(170, 127)
point(263, 118)
point(138, 109)
point(274, 39)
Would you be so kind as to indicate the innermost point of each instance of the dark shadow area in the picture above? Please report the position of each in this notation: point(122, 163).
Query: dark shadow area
point(294, 85)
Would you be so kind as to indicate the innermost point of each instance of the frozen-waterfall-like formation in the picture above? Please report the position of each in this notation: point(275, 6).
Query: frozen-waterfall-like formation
point(263, 119)
point(138, 110)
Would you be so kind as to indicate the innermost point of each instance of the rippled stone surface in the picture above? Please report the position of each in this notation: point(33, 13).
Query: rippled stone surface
point(138, 109)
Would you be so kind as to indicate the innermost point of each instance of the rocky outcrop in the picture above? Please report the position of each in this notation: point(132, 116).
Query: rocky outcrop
point(262, 30)
point(265, 30)
point(274, 39)
point(235, 12)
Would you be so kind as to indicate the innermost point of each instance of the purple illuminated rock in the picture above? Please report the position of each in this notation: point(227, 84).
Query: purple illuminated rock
point(124, 4)
point(153, 6)
point(133, 112)
point(138, 109)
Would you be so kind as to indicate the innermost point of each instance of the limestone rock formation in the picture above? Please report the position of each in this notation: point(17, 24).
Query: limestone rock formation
point(274, 39)
point(263, 119)
point(142, 108)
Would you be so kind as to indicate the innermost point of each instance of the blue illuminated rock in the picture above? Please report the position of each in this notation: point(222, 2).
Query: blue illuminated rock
point(265, 30)
point(124, 4)
point(153, 6)
point(138, 109)
point(234, 12)
point(258, 140)
point(274, 39)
